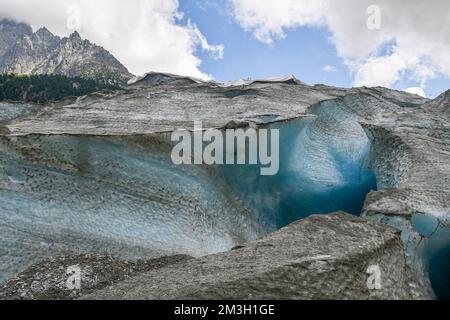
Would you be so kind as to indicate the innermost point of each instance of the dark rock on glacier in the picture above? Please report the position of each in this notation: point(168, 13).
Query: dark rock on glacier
point(48, 279)
point(26, 52)
point(321, 257)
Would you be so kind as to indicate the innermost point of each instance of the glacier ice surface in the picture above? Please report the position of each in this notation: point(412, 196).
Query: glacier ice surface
point(435, 250)
point(323, 168)
point(408, 152)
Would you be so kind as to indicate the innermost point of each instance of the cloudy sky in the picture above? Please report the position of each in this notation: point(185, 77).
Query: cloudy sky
point(402, 44)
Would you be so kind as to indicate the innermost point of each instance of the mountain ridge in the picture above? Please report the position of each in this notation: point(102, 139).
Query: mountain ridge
point(23, 51)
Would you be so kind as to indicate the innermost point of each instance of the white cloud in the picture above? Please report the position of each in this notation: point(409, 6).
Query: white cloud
point(217, 51)
point(143, 34)
point(268, 18)
point(417, 32)
point(416, 90)
point(329, 68)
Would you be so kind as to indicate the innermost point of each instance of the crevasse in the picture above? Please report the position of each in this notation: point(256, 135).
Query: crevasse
point(323, 168)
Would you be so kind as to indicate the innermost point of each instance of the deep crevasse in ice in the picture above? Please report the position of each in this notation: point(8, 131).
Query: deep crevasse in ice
point(427, 245)
point(435, 250)
point(323, 168)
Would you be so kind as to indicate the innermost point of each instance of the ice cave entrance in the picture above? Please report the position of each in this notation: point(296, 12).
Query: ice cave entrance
point(323, 168)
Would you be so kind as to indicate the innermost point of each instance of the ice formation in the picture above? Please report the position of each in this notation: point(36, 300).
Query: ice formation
point(323, 168)
point(94, 174)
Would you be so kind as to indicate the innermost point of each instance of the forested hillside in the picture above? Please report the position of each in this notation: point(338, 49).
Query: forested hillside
point(45, 88)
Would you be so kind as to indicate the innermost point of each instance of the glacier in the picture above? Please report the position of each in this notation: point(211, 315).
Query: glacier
point(94, 175)
point(320, 171)
point(123, 196)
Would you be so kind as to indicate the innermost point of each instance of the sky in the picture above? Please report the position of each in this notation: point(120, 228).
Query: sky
point(402, 44)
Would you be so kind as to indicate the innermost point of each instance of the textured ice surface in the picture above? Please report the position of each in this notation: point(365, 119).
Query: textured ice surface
point(89, 173)
point(435, 250)
point(427, 243)
point(10, 111)
point(124, 197)
point(411, 157)
point(323, 168)
point(320, 257)
point(162, 103)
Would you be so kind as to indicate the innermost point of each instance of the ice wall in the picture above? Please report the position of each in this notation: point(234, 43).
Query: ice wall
point(434, 249)
point(323, 168)
point(123, 195)
point(120, 196)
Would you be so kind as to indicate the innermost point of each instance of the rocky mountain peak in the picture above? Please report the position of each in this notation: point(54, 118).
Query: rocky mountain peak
point(46, 38)
point(23, 51)
point(44, 32)
point(75, 36)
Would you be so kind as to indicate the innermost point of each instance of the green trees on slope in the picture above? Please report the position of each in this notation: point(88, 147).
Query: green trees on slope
point(45, 88)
